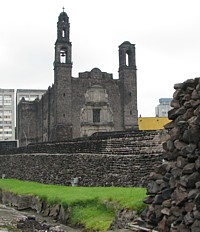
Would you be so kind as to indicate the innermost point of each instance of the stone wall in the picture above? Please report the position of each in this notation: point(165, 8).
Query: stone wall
point(27, 118)
point(120, 160)
point(36, 119)
point(123, 143)
point(174, 189)
point(57, 212)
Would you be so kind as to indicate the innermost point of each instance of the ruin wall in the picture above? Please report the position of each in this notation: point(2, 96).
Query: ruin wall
point(174, 187)
point(119, 160)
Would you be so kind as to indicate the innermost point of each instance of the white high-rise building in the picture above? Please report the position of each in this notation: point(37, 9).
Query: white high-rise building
point(163, 108)
point(7, 114)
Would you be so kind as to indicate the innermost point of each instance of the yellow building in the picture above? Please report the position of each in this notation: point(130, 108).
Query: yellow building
point(152, 123)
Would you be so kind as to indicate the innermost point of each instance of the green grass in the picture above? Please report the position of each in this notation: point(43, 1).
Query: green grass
point(93, 207)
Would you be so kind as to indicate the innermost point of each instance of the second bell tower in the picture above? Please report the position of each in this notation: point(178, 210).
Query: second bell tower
point(128, 81)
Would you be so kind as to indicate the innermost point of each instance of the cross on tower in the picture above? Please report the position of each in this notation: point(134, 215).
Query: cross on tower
point(63, 8)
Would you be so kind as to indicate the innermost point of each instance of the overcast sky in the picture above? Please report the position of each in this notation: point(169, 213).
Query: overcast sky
point(166, 34)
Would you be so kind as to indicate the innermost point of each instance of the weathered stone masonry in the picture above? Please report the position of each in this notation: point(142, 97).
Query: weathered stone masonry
point(121, 160)
point(175, 186)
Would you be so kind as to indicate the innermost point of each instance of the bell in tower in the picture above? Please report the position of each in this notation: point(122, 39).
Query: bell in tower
point(63, 44)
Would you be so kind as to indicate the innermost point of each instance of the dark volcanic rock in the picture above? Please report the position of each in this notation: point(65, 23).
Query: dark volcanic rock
point(179, 200)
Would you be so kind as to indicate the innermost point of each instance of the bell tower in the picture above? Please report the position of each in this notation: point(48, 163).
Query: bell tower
point(63, 44)
point(128, 85)
point(62, 81)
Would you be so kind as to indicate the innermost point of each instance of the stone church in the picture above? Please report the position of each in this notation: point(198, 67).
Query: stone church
point(80, 106)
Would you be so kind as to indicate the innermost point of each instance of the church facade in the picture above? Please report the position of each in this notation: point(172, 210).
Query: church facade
point(80, 106)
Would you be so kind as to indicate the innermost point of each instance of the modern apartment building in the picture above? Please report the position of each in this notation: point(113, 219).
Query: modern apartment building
point(163, 108)
point(7, 114)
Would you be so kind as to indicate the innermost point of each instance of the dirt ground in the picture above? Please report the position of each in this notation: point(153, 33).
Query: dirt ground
point(13, 220)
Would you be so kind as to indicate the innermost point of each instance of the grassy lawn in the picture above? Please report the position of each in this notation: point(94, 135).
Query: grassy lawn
point(94, 207)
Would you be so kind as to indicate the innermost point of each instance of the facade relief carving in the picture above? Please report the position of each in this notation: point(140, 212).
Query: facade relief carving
point(96, 114)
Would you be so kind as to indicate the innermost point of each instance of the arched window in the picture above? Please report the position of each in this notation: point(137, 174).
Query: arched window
point(63, 56)
point(127, 58)
point(64, 33)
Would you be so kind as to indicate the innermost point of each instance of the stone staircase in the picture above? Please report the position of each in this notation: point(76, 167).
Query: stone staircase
point(116, 143)
point(135, 144)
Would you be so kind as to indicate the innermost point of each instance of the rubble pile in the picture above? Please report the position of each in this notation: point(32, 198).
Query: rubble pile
point(174, 187)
